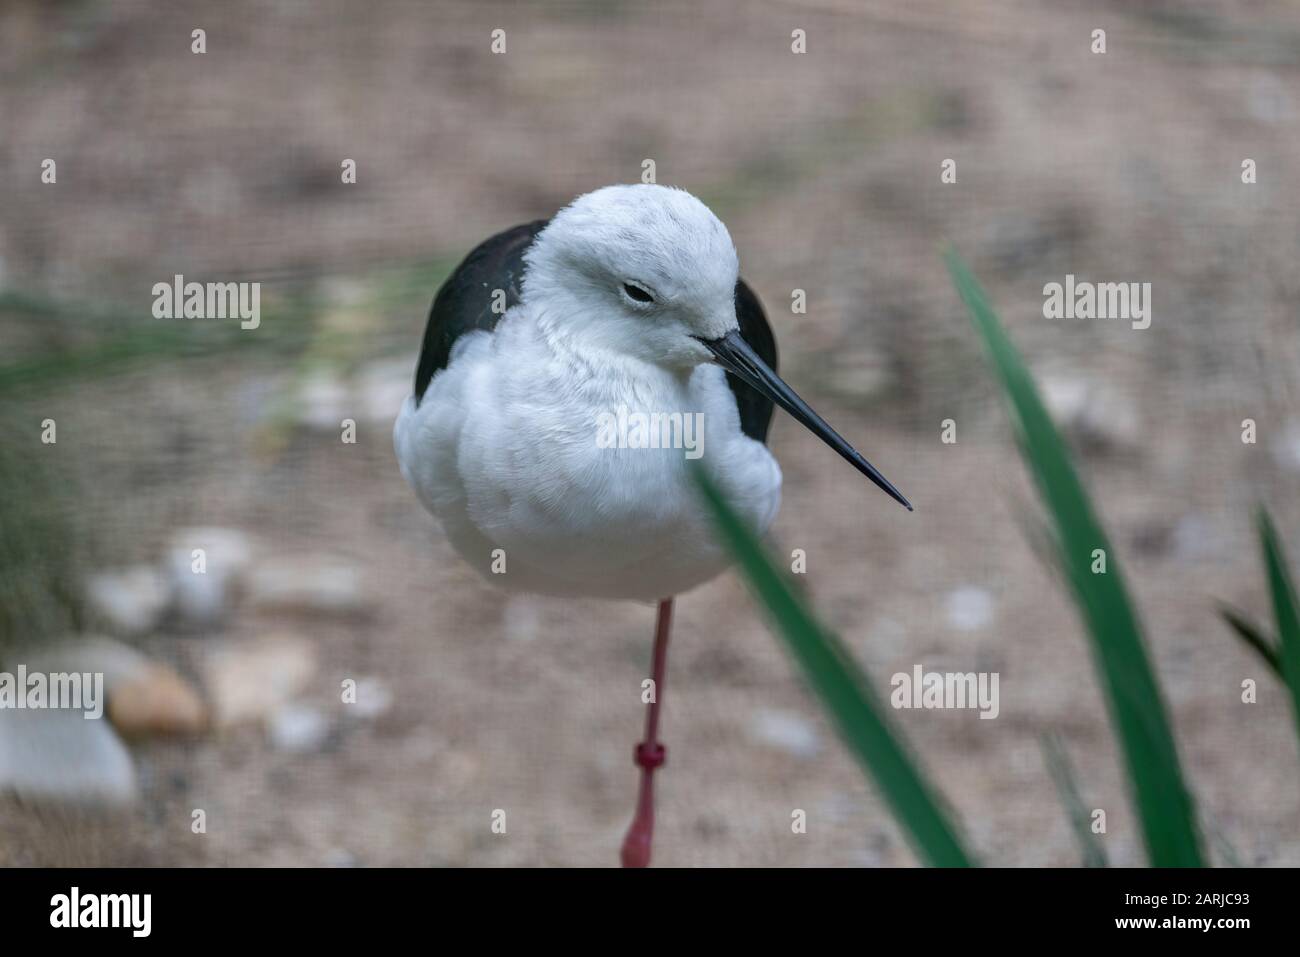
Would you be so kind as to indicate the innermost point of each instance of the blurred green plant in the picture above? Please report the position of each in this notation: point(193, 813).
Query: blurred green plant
point(1285, 616)
point(41, 541)
point(843, 691)
point(1282, 655)
point(88, 341)
point(1137, 708)
point(1067, 786)
point(1083, 554)
point(80, 340)
point(1253, 636)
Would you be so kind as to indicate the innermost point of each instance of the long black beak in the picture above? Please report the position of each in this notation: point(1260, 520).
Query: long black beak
point(736, 356)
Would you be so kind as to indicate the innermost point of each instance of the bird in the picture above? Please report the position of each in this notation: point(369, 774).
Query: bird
point(540, 348)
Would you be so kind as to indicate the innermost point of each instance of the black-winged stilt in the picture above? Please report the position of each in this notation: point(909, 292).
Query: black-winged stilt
point(626, 307)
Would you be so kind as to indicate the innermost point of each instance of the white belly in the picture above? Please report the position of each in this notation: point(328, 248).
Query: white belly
point(511, 457)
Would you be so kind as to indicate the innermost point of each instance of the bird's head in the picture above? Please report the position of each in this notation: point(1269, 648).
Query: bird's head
point(649, 272)
point(642, 270)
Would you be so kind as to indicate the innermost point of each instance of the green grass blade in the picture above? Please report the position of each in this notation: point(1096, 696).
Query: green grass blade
point(840, 685)
point(1137, 710)
point(1067, 786)
point(1284, 608)
point(1254, 637)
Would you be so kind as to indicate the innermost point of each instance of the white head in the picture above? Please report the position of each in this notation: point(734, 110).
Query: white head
point(641, 270)
point(649, 272)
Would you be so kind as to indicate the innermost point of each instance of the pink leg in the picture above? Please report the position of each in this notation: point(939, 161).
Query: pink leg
point(649, 754)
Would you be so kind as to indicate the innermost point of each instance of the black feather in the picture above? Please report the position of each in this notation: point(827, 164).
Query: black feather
point(464, 304)
point(755, 408)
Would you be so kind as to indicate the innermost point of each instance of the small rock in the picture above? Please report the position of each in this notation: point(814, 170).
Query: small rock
point(969, 608)
point(1065, 396)
point(156, 701)
point(200, 600)
point(308, 586)
point(204, 586)
point(785, 730)
point(251, 680)
point(298, 729)
point(1112, 421)
point(373, 699)
point(117, 662)
point(129, 602)
point(143, 696)
point(1094, 414)
point(58, 755)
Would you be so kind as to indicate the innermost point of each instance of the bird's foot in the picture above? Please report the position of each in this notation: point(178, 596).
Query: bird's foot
point(649, 756)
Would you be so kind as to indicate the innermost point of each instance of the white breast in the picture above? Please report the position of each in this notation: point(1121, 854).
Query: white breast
point(506, 450)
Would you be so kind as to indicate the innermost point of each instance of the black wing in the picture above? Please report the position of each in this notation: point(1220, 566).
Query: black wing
point(464, 303)
point(755, 408)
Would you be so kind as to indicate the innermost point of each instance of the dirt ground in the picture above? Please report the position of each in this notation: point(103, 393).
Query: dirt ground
point(825, 166)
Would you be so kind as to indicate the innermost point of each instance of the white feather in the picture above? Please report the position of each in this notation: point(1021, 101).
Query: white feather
point(503, 447)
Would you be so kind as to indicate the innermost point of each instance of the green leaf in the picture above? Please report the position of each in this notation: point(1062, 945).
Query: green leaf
point(1067, 786)
point(843, 690)
point(1284, 607)
point(1137, 709)
point(1254, 637)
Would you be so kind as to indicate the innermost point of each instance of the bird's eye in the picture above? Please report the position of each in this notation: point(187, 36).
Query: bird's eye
point(636, 293)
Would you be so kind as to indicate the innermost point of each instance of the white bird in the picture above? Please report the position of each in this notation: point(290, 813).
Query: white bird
point(550, 431)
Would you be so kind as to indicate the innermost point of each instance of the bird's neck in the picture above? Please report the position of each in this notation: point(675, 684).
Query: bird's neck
point(577, 339)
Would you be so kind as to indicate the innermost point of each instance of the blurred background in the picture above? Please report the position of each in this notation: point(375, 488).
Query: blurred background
point(226, 689)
